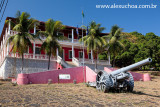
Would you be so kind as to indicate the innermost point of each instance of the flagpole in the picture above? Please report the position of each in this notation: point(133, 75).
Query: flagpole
point(83, 45)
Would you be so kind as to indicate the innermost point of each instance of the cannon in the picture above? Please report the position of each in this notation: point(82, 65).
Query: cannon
point(119, 79)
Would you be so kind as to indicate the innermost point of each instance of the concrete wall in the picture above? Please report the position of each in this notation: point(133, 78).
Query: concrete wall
point(75, 73)
point(12, 66)
point(90, 75)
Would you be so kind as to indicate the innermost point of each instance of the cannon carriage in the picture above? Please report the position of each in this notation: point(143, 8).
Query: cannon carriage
point(119, 79)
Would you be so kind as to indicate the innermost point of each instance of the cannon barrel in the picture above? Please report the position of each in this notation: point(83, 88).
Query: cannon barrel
point(130, 67)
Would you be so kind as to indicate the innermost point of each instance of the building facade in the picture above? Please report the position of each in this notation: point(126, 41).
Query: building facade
point(72, 49)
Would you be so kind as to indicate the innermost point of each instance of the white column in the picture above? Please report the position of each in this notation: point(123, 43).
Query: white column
point(1, 45)
point(72, 43)
point(9, 26)
point(2, 54)
point(72, 35)
point(3, 39)
point(109, 58)
point(7, 48)
point(4, 49)
point(9, 32)
point(92, 56)
point(34, 29)
point(57, 53)
point(34, 44)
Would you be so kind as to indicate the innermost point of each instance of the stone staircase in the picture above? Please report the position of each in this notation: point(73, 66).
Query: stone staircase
point(99, 66)
point(71, 64)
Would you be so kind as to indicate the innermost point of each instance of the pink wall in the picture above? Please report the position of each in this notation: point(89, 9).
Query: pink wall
point(90, 75)
point(42, 77)
point(136, 76)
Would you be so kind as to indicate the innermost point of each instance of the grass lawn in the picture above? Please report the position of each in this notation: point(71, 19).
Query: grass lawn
point(145, 94)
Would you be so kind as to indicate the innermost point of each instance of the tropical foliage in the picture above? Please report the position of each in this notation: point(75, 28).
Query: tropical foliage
point(50, 45)
point(137, 48)
point(21, 40)
point(93, 40)
point(114, 45)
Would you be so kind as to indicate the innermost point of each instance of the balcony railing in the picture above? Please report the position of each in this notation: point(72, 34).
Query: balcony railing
point(32, 56)
point(76, 41)
point(90, 61)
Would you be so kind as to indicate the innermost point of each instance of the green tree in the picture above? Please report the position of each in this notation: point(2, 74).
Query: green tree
point(93, 40)
point(50, 45)
point(114, 45)
point(21, 40)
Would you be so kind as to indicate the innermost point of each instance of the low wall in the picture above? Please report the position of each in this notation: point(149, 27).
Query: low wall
point(13, 66)
point(75, 73)
point(90, 75)
point(136, 76)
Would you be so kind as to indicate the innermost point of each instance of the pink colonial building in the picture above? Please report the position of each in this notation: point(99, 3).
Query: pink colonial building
point(36, 60)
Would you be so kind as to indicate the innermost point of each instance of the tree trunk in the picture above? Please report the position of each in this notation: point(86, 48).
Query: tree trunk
point(22, 62)
point(114, 61)
point(49, 61)
point(95, 62)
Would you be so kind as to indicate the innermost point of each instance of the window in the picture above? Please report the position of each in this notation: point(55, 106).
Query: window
point(80, 54)
point(70, 54)
point(70, 36)
point(37, 30)
point(37, 50)
point(60, 34)
point(79, 36)
point(89, 56)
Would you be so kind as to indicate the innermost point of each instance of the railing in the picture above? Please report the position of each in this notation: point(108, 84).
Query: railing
point(76, 61)
point(32, 56)
point(62, 62)
point(69, 40)
point(90, 61)
point(11, 32)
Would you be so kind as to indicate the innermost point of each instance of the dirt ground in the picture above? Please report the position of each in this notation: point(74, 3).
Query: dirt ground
point(146, 94)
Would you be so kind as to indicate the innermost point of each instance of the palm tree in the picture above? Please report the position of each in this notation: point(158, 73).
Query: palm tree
point(114, 45)
point(21, 41)
point(50, 45)
point(93, 40)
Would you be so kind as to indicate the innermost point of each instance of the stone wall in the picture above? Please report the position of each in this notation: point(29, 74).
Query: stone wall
point(13, 66)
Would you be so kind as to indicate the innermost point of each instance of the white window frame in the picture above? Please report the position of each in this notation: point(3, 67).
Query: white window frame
point(69, 54)
point(69, 34)
point(36, 31)
point(79, 54)
point(60, 32)
point(35, 50)
point(88, 55)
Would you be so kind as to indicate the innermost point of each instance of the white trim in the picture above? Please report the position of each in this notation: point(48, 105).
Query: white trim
point(60, 32)
point(34, 32)
point(35, 50)
point(69, 54)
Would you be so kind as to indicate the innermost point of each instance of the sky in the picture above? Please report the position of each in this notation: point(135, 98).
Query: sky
point(70, 13)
